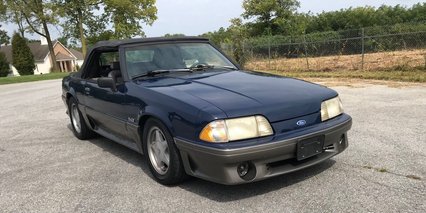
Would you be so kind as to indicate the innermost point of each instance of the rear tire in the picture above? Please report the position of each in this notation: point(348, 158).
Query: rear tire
point(78, 125)
point(161, 154)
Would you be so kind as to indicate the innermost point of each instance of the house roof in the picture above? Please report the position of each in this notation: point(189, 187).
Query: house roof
point(63, 57)
point(7, 50)
point(77, 54)
point(39, 52)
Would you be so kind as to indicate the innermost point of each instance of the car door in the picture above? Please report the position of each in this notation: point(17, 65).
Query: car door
point(103, 105)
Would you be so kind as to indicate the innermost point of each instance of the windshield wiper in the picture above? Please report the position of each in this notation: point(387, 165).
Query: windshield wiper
point(201, 67)
point(157, 72)
point(225, 67)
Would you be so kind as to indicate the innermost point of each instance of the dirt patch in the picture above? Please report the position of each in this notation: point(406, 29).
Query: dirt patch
point(360, 83)
point(398, 60)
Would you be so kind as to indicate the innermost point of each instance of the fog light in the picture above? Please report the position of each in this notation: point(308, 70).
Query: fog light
point(243, 169)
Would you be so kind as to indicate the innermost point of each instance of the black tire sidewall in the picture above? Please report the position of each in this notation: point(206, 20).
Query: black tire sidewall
point(85, 132)
point(175, 172)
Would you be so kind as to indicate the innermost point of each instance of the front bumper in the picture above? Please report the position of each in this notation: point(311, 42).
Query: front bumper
point(266, 160)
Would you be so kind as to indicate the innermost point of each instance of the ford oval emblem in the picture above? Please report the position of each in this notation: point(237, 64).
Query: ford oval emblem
point(301, 123)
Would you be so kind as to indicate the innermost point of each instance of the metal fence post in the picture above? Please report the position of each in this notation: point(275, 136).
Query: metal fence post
point(362, 48)
point(306, 51)
point(425, 60)
point(269, 52)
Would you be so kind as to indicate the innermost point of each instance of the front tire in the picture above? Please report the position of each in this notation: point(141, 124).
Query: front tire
point(161, 154)
point(78, 125)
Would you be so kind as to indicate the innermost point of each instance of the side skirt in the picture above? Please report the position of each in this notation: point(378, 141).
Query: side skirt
point(118, 140)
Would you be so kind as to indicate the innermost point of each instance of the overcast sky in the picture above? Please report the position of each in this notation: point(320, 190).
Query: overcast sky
point(194, 17)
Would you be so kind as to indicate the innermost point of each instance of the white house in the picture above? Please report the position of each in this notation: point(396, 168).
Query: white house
point(67, 59)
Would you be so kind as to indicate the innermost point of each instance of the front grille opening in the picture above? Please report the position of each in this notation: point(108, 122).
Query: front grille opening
point(329, 147)
point(292, 161)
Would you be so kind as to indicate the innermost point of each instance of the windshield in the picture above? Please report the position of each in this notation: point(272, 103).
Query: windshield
point(145, 58)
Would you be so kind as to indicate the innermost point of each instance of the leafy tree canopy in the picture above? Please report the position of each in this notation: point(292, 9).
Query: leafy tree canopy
point(4, 38)
point(85, 21)
point(280, 18)
point(128, 15)
point(174, 35)
point(270, 15)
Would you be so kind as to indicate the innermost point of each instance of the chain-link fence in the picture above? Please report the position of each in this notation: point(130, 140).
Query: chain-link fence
point(397, 47)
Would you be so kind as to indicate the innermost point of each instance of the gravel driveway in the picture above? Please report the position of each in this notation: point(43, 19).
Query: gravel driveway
point(44, 168)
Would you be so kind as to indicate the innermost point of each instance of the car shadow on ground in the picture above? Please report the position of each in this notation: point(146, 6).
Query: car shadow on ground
point(213, 191)
point(118, 150)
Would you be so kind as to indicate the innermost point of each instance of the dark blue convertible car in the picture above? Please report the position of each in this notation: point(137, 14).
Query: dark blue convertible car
point(192, 111)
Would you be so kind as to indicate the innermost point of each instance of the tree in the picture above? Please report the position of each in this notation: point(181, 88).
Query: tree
point(218, 37)
point(4, 38)
point(82, 18)
point(238, 35)
point(4, 65)
point(127, 16)
point(63, 40)
point(359, 17)
point(100, 36)
point(168, 35)
point(33, 41)
point(38, 14)
point(12, 16)
point(86, 19)
point(269, 14)
point(22, 58)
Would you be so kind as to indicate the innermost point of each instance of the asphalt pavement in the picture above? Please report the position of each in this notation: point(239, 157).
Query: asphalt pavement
point(44, 168)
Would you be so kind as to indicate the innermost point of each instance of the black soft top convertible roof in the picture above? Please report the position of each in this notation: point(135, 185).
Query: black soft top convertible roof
point(114, 44)
point(117, 43)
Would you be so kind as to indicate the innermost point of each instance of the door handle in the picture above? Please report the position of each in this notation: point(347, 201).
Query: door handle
point(87, 90)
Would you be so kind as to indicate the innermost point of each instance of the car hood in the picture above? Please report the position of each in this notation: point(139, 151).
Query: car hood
point(242, 93)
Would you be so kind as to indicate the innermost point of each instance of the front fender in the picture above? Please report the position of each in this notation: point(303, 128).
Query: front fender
point(179, 123)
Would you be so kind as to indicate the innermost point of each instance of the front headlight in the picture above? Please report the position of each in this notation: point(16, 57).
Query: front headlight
point(331, 108)
point(222, 131)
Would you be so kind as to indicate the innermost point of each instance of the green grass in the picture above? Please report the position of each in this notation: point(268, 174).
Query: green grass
point(28, 78)
point(407, 76)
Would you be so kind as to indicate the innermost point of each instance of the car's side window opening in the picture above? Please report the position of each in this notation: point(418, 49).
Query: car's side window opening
point(103, 64)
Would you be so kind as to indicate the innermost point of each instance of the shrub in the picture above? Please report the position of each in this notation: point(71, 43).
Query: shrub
point(23, 59)
point(4, 65)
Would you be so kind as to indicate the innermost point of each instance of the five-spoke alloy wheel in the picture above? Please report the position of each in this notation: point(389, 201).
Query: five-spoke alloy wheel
point(160, 152)
point(79, 127)
point(75, 117)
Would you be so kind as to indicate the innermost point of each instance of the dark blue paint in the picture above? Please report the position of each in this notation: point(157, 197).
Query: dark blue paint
point(187, 102)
